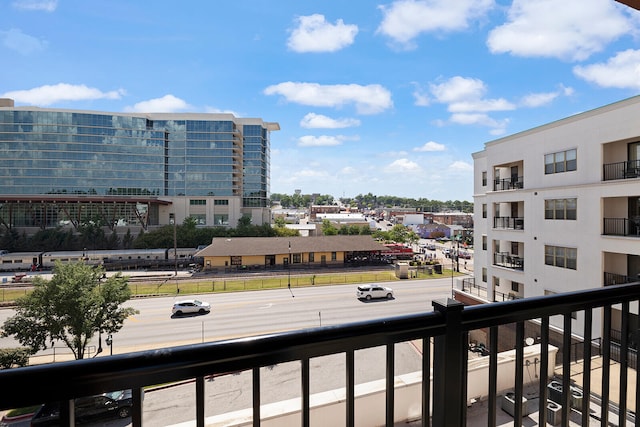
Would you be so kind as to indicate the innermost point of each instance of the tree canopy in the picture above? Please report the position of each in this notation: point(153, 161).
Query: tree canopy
point(72, 307)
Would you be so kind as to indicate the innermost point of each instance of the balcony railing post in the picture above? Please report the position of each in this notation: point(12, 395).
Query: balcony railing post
point(449, 392)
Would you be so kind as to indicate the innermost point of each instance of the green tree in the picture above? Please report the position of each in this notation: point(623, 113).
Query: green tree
point(72, 307)
point(328, 229)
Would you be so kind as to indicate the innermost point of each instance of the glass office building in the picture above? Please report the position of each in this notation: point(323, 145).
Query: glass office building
point(156, 168)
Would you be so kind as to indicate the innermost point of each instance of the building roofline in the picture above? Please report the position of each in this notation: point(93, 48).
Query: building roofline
point(635, 100)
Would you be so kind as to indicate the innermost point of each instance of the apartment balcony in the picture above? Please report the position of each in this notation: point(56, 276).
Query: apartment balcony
point(508, 223)
point(505, 259)
point(621, 170)
point(611, 279)
point(442, 394)
point(621, 227)
point(513, 183)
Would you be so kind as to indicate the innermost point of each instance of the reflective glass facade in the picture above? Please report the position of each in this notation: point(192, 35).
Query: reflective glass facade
point(53, 152)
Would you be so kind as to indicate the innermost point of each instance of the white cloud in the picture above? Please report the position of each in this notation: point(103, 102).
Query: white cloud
point(51, 94)
point(481, 105)
point(466, 102)
point(421, 98)
point(458, 89)
point(166, 104)
point(476, 119)
point(620, 71)
point(402, 165)
point(215, 110)
point(320, 141)
point(348, 170)
point(568, 29)
point(39, 5)
point(430, 146)
point(370, 99)
point(25, 44)
point(461, 166)
point(538, 99)
point(405, 20)
point(314, 34)
point(387, 154)
point(318, 121)
point(310, 173)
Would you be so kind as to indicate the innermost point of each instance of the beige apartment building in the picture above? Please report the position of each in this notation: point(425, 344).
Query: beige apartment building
point(557, 208)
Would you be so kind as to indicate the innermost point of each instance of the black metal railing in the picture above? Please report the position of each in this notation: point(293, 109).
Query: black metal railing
point(469, 285)
point(619, 279)
point(505, 259)
point(621, 227)
point(621, 170)
point(513, 183)
point(508, 222)
point(448, 326)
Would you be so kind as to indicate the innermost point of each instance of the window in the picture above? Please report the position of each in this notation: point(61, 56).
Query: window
point(484, 274)
point(334, 256)
point(515, 286)
point(558, 256)
point(484, 178)
point(484, 210)
point(198, 202)
point(236, 260)
point(224, 202)
point(563, 161)
point(297, 258)
point(484, 243)
point(311, 257)
point(220, 219)
point(561, 209)
point(200, 219)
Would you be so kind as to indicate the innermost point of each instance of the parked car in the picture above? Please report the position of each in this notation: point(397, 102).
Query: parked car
point(465, 255)
point(115, 404)
point(369, 292)
point(190, 306)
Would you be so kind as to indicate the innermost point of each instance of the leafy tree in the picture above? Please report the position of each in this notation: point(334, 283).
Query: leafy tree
point(71, 307)
point(328, 229)
point(11, 357)
point(127, 239)
point(281, 229)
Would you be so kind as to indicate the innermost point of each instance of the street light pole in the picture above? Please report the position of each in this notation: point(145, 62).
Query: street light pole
point(109, 341)
point(289, 267)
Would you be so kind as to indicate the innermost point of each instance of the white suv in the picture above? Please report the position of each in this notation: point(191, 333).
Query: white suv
point(374, 291)
point(191, 306)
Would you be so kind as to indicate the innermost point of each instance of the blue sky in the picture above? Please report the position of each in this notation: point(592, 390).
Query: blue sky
point(388, 97)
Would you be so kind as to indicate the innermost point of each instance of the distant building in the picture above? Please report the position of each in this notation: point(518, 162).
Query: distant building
point(139, 170)
point(314, 210)
point(273, 252)
point(453, 218)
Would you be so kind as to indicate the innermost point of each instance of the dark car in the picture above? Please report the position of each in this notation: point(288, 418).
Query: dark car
point(115, 404)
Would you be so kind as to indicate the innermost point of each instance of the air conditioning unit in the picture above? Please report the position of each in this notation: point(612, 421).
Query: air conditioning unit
point(509, 403)
point(554, 413)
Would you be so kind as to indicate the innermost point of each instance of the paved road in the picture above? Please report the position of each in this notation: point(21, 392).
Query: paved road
point(257, 312)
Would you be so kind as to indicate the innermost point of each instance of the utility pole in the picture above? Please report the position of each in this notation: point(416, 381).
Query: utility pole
point(175, 246)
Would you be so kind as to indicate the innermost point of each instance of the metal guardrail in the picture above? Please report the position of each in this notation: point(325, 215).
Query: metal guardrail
point(621, 170)
point(621, 227)
point(448, 325)
point(513, 183)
